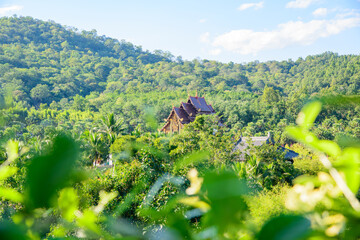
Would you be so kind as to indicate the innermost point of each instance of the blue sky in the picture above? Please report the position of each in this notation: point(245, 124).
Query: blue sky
point(227, 30)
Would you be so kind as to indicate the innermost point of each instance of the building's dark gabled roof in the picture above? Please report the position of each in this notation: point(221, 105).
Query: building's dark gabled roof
point(188, 111)
point(200, 104)
point(191, 111)
point(183, 116)
point(180, 113)
point(211, 108)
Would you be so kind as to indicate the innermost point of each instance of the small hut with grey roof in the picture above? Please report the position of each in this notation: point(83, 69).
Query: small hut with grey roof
point(243, 146)
point(186, 113)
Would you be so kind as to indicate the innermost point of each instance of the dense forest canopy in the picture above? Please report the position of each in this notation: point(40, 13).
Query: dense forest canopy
point(46, 64)
point(74, 95)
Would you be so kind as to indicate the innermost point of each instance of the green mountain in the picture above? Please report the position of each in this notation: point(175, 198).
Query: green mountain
point(44, 64)
point(70, 100)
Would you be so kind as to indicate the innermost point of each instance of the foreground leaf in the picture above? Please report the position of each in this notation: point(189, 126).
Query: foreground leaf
point(308, 114)
point(11, 231)
point(349, 165)
point(286, 227)
point(6, 172)
point(225, 192)
point(68, 203)
point(49, 173)
point(11, 195)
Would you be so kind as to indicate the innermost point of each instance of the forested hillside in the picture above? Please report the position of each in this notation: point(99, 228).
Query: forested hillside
point(74, 95)
point(46, 63)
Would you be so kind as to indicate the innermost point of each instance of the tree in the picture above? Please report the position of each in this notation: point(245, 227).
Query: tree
point(40, 93)
point(204, 134)
point(270, 96)
point(112, 127)
point(96, 146)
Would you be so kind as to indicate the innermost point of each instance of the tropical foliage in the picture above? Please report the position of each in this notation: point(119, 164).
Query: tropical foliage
point(71, 100)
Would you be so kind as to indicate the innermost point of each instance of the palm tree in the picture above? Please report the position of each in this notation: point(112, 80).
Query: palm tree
point(96, 146)
point(112, 127)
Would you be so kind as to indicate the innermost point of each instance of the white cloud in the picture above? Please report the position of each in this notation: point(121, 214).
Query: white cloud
point(7, 10)
point(202, 20)
point(348, 13)
point(251, 5)
point(215, 52)
point(245, 41)
point(300, 3)
point(205, 37)
point(320, 12)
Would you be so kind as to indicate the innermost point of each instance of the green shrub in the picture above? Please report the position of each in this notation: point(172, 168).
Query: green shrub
point(307, 162)
point(267, 204)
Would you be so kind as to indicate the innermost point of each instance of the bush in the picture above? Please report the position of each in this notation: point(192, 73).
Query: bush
point(267, 204)
point(307, 162)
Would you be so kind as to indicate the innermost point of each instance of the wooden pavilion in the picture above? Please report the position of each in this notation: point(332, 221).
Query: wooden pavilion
point(186, 113)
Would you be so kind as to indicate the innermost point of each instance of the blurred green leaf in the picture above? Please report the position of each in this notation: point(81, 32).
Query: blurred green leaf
point(301, 135)
point(11, 195)
point(340, 100)
point(50, 172)
point(6, 172)
point(327, 146)
point(191, 158)
point(10, 231)
point(178, 223)
point(68, 203)
point(308, 114)
point(310, 139)
point(195, 202)
point(124, 228)
point(225, 192)
point(162, 213)
point(88, 220)
point(12, 150)
point(286, 227)
point(158, 185)
point(303, 179)
point(346, 141)
point(349, 165)
point(195, 182)
point(129, 198)
point(58, 232)
point(105, 198)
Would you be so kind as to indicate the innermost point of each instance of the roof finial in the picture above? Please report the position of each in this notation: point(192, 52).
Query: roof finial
point(196, 93)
